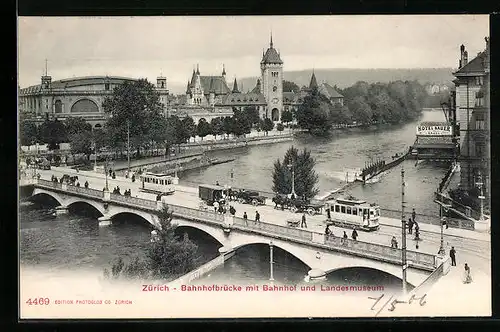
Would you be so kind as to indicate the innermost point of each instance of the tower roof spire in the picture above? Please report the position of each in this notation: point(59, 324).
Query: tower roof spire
point(235, 86)
point(223, 70)
point(271, 43)
point(46, 71)
point(197, 69)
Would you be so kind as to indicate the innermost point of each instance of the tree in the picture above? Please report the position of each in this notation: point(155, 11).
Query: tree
point(305, 177)
point(280, 127)
point(131, 106)
point(266, 125)
point(28, 133)
point(217, 126)
point(290, 86)
point(287, 116)
point(242, 124)
point(76, 125)
point(203, 128)
point(53, 133)
point(188, 129)
point(227, 125)
point(252, 114)
point(169, 256)
point(314, 113)
point(81, 142)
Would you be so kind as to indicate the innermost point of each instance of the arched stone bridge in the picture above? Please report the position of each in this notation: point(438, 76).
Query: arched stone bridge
point(320, 254)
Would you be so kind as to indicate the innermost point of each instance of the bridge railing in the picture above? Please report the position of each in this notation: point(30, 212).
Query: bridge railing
point(196, 214)
point(85, 191)
point(430, 219)
point(274, 229)
point(381, 251)
point(139, 202)
point(49, 184)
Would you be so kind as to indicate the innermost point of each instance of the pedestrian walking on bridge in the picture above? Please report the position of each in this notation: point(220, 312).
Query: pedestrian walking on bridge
point(246, 218)
point(410, 225)
point(344, 238)
point(354, 234)
point(257, 216)
point(413, 215)
point(303, 223)
point(452, 256)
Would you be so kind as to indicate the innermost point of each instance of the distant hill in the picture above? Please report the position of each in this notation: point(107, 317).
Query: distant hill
point(346, 77)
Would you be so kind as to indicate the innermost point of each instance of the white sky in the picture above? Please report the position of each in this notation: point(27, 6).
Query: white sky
point(148, 46)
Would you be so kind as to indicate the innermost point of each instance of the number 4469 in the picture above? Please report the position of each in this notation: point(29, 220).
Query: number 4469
point(38, 301)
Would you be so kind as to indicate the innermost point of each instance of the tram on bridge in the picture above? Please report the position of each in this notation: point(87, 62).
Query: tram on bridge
point(351, 212)
point(160, 184)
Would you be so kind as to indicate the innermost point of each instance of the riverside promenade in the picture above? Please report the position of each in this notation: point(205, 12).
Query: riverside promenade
point(471, 245)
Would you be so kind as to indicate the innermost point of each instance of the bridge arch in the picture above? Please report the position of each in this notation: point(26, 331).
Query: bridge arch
point(53, 195)
point(180, 227)
point(98, 207)
point(359, 266)
point(277, 245)
point(144, 216)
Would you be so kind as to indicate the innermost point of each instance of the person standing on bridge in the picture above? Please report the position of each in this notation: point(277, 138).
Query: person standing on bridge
point(467, 276)
point(452, 256)
point(257, 216)
point(354, 234)
point(410, 225)
point(394, 243)
point(328, 214)
point(216, 206)
point(246, 218)
point(344, 238)
point(413, 215)
point(86, 184)
point(303, 223)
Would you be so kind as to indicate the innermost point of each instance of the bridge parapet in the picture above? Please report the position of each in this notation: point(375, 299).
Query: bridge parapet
point(87, 191)
point(134, 201)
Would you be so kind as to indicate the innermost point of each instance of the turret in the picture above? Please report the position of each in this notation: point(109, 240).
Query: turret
point(46, 79)
point(463, 56)
point(235, 86)
point(161, 82)
point(224, 71)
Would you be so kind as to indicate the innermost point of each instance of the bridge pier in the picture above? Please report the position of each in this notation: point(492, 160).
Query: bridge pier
point(61, 209)
point(104, 221)
point(107, 195)
point(227, 251)
point(315, 275)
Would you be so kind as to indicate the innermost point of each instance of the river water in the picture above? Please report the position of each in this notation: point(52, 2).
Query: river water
point(76, 242)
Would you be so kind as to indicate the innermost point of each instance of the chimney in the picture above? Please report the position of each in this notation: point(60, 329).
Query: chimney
point(461, 63)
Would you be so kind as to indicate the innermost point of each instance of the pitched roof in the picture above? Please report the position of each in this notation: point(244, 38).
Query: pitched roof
point(271, 55)
point(68, 83)
point(215, 84)
point(257, 87)
point(331, 92)
point(476, 65)
point(245, 99)
point(290, 97)
point(235, 86)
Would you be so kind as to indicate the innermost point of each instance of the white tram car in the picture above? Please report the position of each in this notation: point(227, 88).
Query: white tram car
point(157, 183)
point(352, 212)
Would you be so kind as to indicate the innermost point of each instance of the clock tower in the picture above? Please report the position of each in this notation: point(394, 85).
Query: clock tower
point(271, 68)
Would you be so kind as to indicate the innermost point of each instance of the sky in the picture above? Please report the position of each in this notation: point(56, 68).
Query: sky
point(146, 47)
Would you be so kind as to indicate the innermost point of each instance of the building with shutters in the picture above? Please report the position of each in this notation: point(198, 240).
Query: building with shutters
point(472, 85)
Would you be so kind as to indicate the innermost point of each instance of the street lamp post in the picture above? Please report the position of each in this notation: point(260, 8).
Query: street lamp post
point(481, 197)
point(442, 218)
point(403, 230)
point(106, 172)
point(271, 277)
point(290, 166)
point(95, 149)
point(128, 147)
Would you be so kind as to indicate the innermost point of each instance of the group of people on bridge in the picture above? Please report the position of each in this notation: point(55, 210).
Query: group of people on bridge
point(329, 235)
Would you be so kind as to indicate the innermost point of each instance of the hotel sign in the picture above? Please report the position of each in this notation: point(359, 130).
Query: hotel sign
point(434, 130)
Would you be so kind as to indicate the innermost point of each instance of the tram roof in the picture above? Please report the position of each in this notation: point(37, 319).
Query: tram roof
point(157, 175)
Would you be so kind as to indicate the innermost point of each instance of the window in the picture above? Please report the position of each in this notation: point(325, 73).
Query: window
point(348, 210)
point(337, 208)
point(479, 123)
point(479, 80)
point(342, 209)
point(355, 211)
point(161, 182)
point(106, 86)
point(480, 149)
